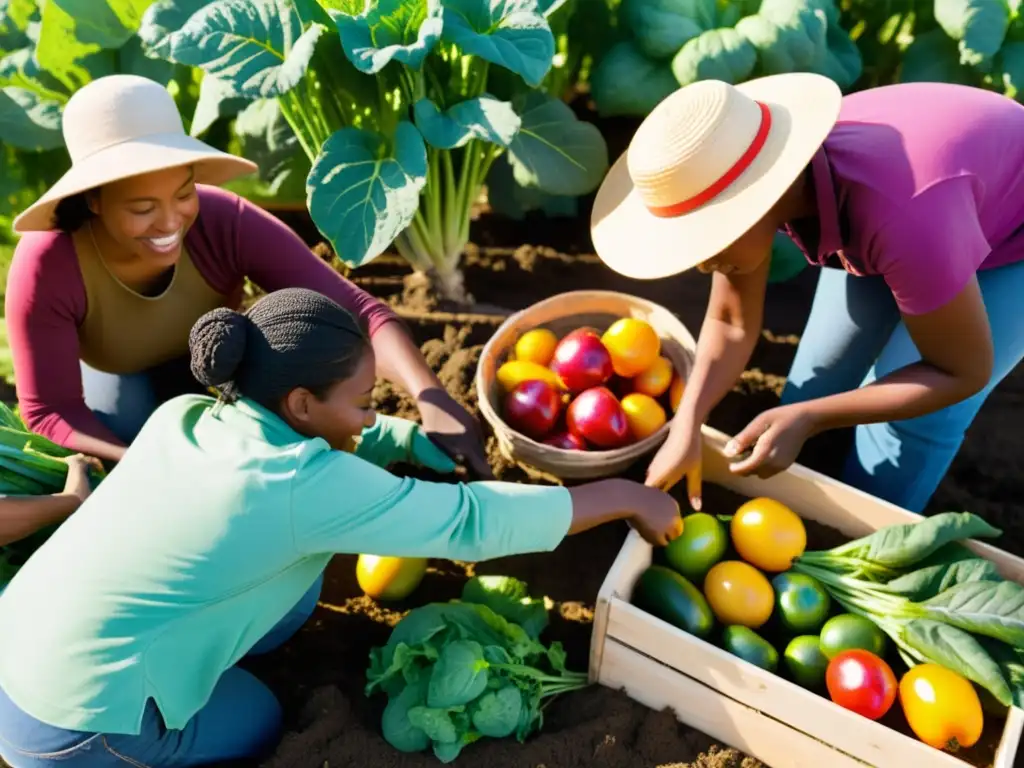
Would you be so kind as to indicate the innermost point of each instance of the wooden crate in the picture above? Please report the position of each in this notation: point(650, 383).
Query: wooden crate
point(738, 703)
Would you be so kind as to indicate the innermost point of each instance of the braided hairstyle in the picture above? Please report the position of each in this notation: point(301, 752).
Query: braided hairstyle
point(288, 339)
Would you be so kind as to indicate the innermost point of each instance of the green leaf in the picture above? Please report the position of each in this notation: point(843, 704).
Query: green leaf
point(507, 197)
point(103, 23)
point(925, 583)
point(992, 609)
point(259, 46)
point(718, 54)
point(786, 44)
point(979, 26)
point(557, 657)
point(436, 723)
point(1011, 663)
point(217, 99)
point(447, 752)
point(396, 728)
point(510, 33)
point(15, 16)
point(485, 118)
point(509, 598)
point(625, 82)
point(497, 712)
point(933, 57)
point(1011, 66)
point(842, 61)
point(661, 27)
point(903, 545)
point(403, 30)
point(72, 60)
point(363, 190)
point(959, 651)
point(459, 676)
point(554, 150)
point(132, 60)
point(27, 122)
point(163, 20)
point(19, 69)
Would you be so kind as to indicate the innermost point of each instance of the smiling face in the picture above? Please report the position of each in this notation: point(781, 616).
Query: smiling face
point(146, 217)
point(341, 413)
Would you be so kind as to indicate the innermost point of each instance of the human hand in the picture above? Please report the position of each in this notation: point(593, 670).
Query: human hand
point(77, 483)
point(774, 440)
point(679, 456)
point(452, 428)
point(655, 515)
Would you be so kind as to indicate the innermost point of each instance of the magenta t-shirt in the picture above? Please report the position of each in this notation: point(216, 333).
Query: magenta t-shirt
point(46, 302)
point(922, 183)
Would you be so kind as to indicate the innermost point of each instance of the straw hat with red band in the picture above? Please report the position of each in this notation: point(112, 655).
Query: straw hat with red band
point(705, 166)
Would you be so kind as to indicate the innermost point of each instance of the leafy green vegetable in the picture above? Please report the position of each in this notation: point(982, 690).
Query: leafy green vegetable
point(458, 672)
point(615, 94)
point(928, 582)
point(663, 26)
point(993, 609)
point(509, 598)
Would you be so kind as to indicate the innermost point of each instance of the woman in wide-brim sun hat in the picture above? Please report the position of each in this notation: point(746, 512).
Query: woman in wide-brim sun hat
point(130, 247)
point(910, 196)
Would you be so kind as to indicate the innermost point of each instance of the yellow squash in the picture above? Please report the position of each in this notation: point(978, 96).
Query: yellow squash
point(390, 578)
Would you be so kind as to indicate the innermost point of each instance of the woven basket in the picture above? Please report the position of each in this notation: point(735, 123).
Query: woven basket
point(561, 314)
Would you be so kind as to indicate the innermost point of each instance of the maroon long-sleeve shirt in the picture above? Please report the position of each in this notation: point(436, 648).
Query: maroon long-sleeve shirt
point(46, 300)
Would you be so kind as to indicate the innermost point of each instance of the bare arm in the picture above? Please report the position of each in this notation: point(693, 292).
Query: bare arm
point(22, 516)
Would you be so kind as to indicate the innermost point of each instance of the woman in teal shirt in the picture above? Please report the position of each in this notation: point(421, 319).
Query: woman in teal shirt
point(209, 540)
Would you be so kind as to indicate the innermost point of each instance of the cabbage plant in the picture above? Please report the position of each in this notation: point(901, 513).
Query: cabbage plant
point(389, 101)
point(672, 43)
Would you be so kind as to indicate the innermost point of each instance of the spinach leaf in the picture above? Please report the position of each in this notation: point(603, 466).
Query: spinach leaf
point(397, 664)
point(459, 676)
point(497, 712)
point(398, 731)
point(959, 651)
point(435, 722)
point(901, 546)
point(1011, 662)
point(557, 657)
point(508, 597)
point(927, 582)
point(993, 609)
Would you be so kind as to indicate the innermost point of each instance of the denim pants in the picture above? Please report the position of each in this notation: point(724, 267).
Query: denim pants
point(124, 402)
point(854, 336)
point(241, 721)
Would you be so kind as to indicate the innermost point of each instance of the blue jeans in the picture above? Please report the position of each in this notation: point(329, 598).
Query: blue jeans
point(124, 402)
point(854, 336)
point(241, 721)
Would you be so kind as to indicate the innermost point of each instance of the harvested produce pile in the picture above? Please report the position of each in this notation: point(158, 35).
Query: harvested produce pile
point(950, 617)
point(589, 391)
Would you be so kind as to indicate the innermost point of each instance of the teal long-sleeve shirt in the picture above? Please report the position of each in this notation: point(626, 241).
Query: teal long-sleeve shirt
point(218, 519)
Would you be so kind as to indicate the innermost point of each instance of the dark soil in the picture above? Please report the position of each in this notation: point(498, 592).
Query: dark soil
point(319, 676)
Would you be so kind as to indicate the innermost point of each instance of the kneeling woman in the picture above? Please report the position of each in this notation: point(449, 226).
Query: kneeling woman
point(209, 540)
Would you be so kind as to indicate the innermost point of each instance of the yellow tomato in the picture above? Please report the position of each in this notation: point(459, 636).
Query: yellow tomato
point(643, 414)
point(389, 578)
point(942, 707)
point(739, 594)
point(656, 379)
point(537, 346)
point(515, 372)
point(768, 534)
point(675, 392)
point(633, 345)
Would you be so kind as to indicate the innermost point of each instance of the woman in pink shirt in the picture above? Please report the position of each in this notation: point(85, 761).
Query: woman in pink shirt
point(911, 198)
point(131, 247)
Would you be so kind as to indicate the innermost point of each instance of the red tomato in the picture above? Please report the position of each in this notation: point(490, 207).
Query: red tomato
point(860, 681)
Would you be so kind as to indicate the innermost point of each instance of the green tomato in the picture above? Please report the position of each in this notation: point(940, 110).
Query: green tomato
point(805, 662)
point(847, 631)
point(702, 544)
point(801, 601)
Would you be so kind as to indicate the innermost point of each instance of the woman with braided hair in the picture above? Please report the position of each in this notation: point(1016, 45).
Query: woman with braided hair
point(209, 541)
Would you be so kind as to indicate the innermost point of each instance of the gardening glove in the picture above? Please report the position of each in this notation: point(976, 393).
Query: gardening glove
point(392, 439)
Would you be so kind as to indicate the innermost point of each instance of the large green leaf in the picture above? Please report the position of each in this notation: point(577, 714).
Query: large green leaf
point(484, 118)
point(842, 62)
point(132, 60)
point(554, 150)
point(510, 33)
point(933, 58)
point(217, 99)
point(625, 82)
point(662, 26)
point(1011, 67)
point(992, 609)
point(786, 43)
point(718, 54)
point(20, 70)
point(103, 23)
point(403, 30)
point(364, 190)
point(259, 46)
point(978, 25)
point(27, 122)
point(507, 197)
point(15, 16)
point(73, 60)
point(163, 20)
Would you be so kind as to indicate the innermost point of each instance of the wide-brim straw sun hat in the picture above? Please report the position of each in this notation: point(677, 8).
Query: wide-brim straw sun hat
point(120, 126)
point(706, 165)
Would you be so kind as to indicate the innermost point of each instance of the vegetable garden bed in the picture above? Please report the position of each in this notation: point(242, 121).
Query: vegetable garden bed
point(321, 674)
